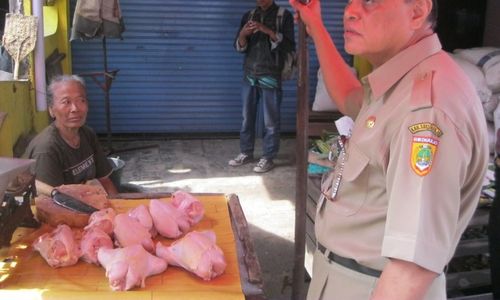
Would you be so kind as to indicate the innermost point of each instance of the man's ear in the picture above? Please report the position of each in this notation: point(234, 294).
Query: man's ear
point(421, 10)
point(51, 113)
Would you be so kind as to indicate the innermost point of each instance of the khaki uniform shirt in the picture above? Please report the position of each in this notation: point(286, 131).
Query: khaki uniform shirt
point(413, 167)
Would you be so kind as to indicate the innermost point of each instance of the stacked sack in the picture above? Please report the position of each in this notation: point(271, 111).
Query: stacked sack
point(482, 65)
point(322, 100)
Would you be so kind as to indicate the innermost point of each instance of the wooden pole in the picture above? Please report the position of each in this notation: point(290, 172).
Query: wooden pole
point(298, 291)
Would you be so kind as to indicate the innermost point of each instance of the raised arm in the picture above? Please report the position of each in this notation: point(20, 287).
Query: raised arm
point(341, 84)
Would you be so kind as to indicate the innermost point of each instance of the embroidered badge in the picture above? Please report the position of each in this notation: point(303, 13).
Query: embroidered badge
point(426, 126)
point(423, 151)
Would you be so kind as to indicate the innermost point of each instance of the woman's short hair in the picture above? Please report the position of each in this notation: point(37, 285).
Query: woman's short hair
point(59, 79)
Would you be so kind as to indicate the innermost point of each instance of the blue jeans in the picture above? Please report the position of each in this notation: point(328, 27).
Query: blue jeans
point(271, 100)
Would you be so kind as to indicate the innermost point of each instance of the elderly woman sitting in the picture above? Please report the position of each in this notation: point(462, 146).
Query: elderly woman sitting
point(67, 151)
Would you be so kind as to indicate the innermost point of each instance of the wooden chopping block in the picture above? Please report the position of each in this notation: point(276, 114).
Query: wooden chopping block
point(50, 213)
point(47, 211)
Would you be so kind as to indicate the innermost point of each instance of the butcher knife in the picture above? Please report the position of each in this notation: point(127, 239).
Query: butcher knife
point(71, 203)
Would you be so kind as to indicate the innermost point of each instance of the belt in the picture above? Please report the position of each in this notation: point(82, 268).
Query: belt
point(348, 262)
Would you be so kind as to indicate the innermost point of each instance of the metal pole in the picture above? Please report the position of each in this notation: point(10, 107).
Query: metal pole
point(39, 57)
point(106, 97)
point(298, 291)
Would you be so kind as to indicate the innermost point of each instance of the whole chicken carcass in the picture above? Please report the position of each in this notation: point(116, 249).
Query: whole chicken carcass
point(190, 205)
point(128, 267)
point(103, 219)
point(168, 220)
point(195, 252)
point(128, 231)
point(58, 248)
point(141, 214)
point(92, 240)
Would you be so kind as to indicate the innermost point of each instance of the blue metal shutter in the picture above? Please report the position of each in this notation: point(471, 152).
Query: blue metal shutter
point(178, 70)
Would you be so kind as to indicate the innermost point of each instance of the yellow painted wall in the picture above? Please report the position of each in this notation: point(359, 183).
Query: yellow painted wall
point(17, 98)
point(15, 101)
point(60, 39)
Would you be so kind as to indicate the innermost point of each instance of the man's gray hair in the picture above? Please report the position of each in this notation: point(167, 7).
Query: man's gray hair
point(59, 79)
point(433, 16)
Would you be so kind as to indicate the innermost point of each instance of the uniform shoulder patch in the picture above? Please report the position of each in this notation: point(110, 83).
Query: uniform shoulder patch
point(426, 126)
point(423, 151)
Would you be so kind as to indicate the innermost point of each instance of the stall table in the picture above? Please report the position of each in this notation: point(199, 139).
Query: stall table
point(24, 274)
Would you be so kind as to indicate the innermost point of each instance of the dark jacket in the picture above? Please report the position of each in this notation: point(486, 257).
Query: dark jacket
point(260, 60)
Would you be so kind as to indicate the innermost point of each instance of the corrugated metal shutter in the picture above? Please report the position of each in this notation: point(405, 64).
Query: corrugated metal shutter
point(178, 71)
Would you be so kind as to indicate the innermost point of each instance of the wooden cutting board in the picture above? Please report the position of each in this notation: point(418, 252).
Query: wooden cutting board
point(24, 274)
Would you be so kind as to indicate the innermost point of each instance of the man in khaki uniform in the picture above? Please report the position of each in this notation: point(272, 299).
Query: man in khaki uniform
point(408, 179)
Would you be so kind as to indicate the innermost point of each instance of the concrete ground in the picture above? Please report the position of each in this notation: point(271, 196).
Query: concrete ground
point(200, 165)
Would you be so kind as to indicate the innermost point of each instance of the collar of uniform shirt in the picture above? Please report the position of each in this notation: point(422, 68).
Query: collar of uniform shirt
point(385, 76)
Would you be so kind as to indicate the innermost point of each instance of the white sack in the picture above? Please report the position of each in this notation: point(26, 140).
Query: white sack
point(490, 106)
point(476, 76)
point(491, 136)
point(490, 59)
point(322, 101)
point(496, 113)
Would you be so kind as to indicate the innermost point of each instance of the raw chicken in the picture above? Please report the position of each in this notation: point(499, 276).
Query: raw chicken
point(58, 248)
point(92, 240)
point(102, 219)
point(128, 231)
point(197, 253)
point(141, 214)
point(169, 221)
point(128, 267)
point(189, 205)
point(93, 195)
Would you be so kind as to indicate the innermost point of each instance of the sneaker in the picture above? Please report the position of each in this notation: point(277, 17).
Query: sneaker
point(263, 165)
point(241, 159)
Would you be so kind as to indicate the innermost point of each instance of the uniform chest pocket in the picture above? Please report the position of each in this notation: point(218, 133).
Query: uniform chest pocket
point(354, 185)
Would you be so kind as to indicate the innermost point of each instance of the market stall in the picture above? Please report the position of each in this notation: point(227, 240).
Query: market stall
point(24, 274)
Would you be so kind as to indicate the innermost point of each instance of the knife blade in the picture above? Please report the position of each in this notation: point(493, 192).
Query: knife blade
point(71, 203)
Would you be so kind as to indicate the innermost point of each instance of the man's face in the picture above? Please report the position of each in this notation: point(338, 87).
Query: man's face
point(377, 29)
point(69, 107)
point(264, 4)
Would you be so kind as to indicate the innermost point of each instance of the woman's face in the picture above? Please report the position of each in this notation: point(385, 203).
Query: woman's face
point(69, 107)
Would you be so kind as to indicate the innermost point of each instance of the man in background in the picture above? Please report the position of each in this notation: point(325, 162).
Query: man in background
point(264, 46)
